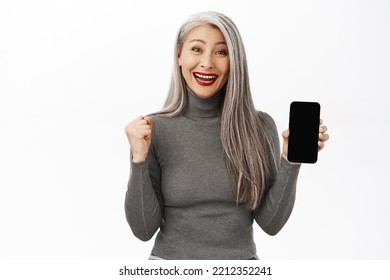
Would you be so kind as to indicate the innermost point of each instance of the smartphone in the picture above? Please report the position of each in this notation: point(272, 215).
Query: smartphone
point(304, 128)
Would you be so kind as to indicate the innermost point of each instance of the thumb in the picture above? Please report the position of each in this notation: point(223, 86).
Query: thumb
point(149, 120)
point(285, 134)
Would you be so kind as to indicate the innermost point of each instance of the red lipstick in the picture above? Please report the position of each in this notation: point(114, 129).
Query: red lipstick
point(204, 79)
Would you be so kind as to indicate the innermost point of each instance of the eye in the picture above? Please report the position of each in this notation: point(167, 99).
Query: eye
point(195, 49)
point(222, 52)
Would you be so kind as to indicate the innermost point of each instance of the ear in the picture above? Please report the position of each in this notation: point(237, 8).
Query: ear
point(179, 58)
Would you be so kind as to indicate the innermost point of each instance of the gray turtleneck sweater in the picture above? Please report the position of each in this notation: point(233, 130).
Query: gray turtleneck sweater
point(183, 189)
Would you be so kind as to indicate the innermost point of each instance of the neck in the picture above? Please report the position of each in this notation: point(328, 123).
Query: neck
point(204, 107)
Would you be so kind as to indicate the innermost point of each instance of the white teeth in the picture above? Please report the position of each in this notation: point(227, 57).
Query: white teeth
point(205, 76)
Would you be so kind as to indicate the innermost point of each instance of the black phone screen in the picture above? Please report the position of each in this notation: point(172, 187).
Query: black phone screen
point(304, 128)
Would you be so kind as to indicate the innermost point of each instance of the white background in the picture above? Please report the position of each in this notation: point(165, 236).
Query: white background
point(74, 73)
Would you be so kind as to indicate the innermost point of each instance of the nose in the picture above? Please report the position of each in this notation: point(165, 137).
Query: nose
point(207, 61)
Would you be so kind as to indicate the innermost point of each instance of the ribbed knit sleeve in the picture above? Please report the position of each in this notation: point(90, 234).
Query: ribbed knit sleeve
point(278, 202)
point(144, 201)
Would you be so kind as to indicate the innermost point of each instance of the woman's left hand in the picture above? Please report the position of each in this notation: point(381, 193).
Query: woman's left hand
point(322, 138)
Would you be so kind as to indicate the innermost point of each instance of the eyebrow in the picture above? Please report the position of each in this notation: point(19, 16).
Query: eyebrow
point(204, 42)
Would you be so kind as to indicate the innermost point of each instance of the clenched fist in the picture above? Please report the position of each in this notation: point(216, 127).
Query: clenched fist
point(139, 134)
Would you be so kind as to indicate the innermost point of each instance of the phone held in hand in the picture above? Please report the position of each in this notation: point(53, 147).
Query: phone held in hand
point(304, 128)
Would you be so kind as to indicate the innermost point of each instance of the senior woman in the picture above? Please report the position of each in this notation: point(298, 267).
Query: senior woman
point(208, 164)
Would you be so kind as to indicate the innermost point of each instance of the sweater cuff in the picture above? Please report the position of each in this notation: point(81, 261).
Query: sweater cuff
point(288, 166)
point(137, 165)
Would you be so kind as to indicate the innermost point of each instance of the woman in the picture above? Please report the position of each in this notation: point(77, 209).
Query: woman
point(208, 164)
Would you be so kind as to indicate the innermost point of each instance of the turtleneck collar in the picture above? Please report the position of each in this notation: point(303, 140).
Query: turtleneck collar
point(204, 107)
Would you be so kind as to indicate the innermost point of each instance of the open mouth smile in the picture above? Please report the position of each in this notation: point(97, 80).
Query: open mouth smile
point(205, 79)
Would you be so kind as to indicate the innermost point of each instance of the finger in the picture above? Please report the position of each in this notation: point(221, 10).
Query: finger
point(321, 121)
point(142, 132)
point(286, 133)
point(321, 145)
point(144, 127)
point(323, 129)
point(323, 137)
point(149, 120)
point(145, 120)
point(142, 121)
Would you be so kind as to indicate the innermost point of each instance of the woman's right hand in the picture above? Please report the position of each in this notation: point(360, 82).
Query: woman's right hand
point(139, 135)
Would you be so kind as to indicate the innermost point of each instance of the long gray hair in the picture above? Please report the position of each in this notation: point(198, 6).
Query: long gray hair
point(246, 142)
